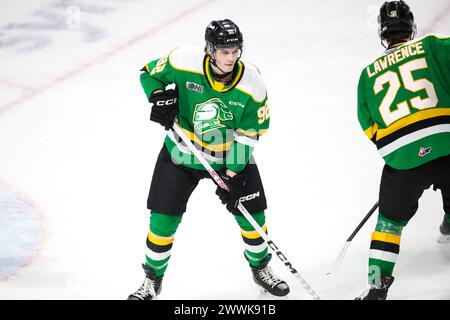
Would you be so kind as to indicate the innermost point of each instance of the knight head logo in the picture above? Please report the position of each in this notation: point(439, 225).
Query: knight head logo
point(209, 115)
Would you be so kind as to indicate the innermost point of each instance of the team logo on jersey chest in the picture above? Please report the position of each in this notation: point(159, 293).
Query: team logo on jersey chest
point(209, 115)
point(194, 87)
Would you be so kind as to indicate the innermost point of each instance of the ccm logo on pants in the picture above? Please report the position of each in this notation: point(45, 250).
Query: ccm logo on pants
point(249, 197)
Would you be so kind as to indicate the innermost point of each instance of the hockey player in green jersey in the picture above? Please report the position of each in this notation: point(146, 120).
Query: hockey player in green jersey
point(404, 108)
point(220, 102)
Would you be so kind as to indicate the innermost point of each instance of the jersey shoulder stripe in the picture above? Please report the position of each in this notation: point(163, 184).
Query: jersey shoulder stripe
point(252, 83)
point(188, 59)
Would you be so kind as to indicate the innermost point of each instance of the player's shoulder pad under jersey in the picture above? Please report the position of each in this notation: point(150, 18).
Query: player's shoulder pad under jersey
point(188, 59)
point(386, 52)
point(252, 82)
point(426, 37)
point(436, 35)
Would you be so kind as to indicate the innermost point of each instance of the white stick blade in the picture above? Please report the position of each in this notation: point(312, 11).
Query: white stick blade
point(339, 258)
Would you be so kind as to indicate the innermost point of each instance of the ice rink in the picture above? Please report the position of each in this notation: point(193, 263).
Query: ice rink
point(77, 151)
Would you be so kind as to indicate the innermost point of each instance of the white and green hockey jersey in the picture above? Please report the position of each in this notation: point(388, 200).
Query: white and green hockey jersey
point(223, 121)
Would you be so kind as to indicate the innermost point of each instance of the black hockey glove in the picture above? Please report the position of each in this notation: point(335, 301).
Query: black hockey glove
point(164, 108)
point(236, 185)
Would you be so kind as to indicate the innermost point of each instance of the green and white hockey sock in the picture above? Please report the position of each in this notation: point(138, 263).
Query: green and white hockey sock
point(159, 241)
point(384, 248)
point(447, 217)
point(256, 249)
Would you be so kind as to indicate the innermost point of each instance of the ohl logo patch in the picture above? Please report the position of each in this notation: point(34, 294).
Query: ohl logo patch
point(209, 115)
point(424, 151)
point(20, 232)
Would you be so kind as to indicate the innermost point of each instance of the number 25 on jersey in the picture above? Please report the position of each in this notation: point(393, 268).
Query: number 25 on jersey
point(403, 108)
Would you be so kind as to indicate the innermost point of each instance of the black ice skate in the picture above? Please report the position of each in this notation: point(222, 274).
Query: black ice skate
point(445, 232)
point(150, 289)
point(264, 278)
point(376, 293)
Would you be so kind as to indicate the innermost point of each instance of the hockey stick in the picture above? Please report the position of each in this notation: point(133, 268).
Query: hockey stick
point(244, 211)
point(349, 240)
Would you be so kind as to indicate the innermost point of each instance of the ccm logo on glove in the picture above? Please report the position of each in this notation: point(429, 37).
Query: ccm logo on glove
point(168, 102)
point(165, 107)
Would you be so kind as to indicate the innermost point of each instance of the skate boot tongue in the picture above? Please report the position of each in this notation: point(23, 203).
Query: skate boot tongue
point(145, 292)
point(267, 276)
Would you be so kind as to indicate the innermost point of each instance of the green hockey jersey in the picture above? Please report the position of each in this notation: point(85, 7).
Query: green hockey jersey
point(223, 121)
point(404, 102)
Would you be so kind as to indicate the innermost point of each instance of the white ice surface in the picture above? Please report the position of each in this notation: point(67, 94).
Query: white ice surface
point(75, 139)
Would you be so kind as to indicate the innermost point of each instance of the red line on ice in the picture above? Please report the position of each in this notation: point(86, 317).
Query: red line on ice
point(15, 85)
point(32, 92)
point(101, 58)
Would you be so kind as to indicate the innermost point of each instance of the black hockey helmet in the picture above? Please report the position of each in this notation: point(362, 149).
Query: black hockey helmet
point(222, 34)
point(395, 19)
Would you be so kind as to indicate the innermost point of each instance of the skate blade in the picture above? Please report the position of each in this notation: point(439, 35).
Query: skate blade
point(266, 295)
point(444, 238)
point(262, 291)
